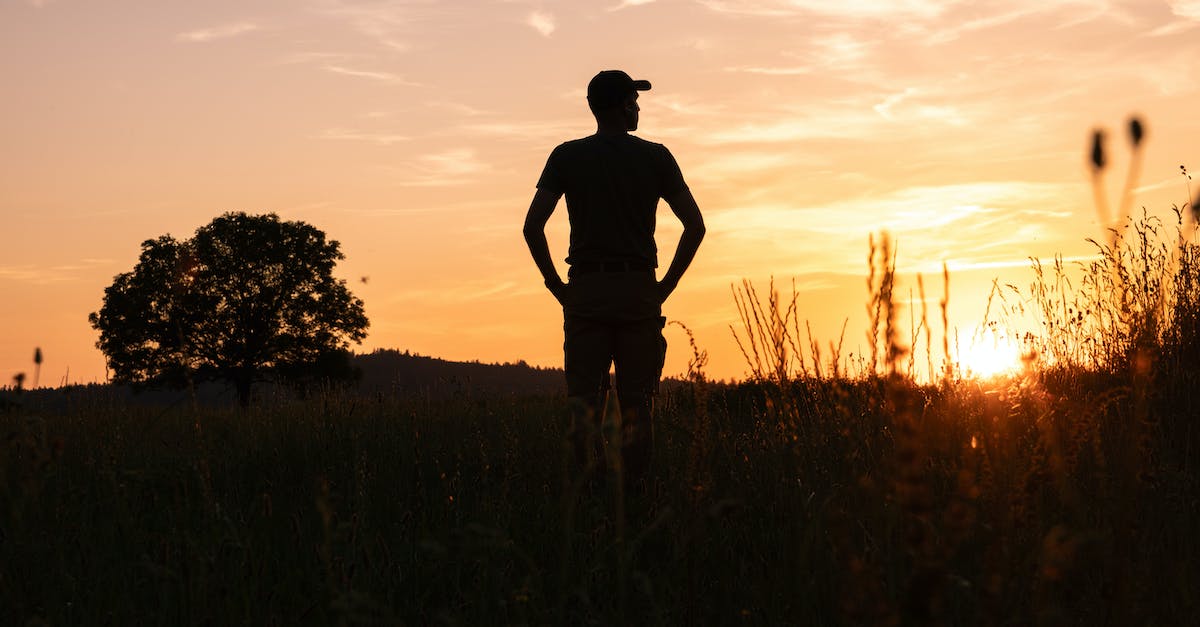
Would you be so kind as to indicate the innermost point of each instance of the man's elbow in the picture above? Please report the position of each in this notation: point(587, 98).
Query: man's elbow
point(531, 229)
point(696, 230)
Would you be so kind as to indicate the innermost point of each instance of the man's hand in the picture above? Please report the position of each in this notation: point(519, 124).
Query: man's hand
point(559, 290)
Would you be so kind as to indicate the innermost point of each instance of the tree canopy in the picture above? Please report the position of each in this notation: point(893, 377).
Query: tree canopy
point(247, 298)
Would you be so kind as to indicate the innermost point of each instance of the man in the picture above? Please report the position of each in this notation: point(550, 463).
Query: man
point(612, 303)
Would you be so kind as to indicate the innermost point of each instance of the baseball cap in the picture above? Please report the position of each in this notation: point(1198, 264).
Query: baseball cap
point(610, 87)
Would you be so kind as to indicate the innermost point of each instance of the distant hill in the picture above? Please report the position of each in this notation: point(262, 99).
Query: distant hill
point(392, 371)
point(387, 372)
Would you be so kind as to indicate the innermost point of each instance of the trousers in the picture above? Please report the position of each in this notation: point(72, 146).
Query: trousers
point(636, 349)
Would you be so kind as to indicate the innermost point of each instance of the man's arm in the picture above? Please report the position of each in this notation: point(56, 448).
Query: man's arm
point(684, 206)
point(540, 209)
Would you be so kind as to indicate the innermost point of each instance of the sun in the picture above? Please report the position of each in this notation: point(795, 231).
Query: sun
point(987, 358)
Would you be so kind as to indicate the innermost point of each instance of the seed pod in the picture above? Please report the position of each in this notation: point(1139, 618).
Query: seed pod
point(37, 356)
point(1136, 132)
point(1098, 149)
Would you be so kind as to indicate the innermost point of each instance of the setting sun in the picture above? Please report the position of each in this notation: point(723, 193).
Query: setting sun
point(986, 358)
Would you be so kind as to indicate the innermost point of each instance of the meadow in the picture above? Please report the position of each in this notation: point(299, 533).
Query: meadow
point(817, 492)
point(1061, 495)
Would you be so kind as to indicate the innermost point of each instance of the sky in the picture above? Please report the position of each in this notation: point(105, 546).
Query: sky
point(413, 132)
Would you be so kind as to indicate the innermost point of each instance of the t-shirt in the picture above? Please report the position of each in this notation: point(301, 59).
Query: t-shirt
point(612, 184)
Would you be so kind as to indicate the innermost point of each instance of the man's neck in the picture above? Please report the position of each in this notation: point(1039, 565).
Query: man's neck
point(611, 129)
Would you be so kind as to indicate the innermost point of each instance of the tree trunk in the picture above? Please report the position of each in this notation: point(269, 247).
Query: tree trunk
point(243, 381)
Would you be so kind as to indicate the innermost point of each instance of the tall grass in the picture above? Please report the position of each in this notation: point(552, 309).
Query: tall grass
point(814, 493)
point(805, 500)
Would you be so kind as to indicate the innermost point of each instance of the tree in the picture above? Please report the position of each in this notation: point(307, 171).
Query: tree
point(248, 298)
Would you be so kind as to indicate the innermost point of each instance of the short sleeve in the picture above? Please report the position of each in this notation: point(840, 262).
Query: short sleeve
point(551, 178)
point(671, 177)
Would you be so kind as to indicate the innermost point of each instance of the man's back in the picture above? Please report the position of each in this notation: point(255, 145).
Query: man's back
point(612, 182)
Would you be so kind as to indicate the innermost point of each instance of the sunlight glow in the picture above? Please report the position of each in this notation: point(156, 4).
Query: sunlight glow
point(987, 358)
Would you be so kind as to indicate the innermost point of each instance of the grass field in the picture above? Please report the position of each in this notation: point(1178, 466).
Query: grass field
point(1072, 500)
point(1068, 494)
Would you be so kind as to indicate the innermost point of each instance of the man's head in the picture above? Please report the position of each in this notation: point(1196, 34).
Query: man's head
point(612, 97)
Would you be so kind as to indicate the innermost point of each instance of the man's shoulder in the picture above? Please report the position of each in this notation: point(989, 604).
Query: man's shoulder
point(647, 144)
point(578, 142)
point(592, 142)
point(572, 147)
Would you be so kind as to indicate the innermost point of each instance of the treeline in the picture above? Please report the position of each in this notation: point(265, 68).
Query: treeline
point(387, 371)
point(392, 371)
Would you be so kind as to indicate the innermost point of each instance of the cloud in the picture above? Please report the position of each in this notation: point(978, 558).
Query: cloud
point(1172, 28)
point(542, 22)
point(466, 292)
point(835, 53)
point(1189, 9)
point(223, 31)
point(859, 9)
point(625, 4)
point(317, 57)
point(533, 132)
point(976, 217)
point(459, 108)
point(386, 23)
point(456, 166)
point(792, 70)
point(45, 275)
point(458, 161)
point(383, 77)
point(1188, 12)
point(724, 165)
point(903, 103)
point(385, 139)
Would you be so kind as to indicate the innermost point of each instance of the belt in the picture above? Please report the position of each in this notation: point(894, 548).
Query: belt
point(611, 266)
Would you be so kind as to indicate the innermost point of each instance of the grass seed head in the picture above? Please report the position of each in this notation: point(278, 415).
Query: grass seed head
point(1098, 149)
point(1136, 131)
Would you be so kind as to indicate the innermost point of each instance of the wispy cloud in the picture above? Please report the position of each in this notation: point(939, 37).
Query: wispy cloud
point(542, 22)
point(223, 31)
point(1189, 9)
point(834, 53)
point(869, 9)
point(458, 108)
point(317, 57)
point(386, 23)
point(465, 292)
point(458, 161)
point(45, 275)
point(1172, 28)
point(625, 4)
point(983, 221)
point(536, 132)
point(456, 166)
point(385, 139)
point(724, 165)
point(790, 70)
point(383, 77)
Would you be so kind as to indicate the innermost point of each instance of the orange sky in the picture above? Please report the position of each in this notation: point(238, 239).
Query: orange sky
point(413, 131)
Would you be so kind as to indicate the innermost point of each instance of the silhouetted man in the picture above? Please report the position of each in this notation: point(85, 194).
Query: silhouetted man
point(612, 304)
